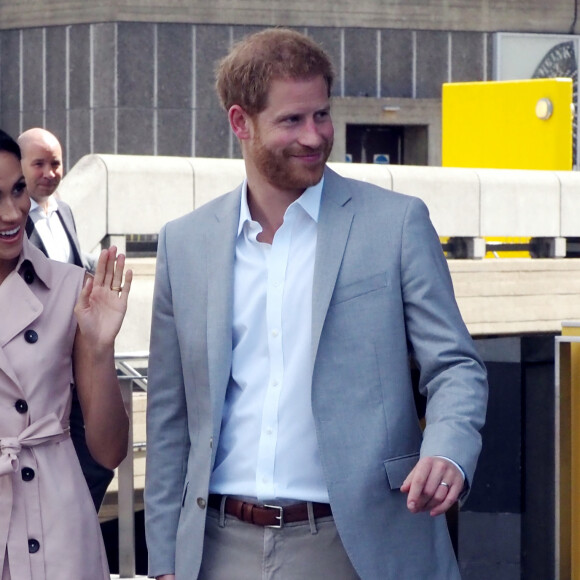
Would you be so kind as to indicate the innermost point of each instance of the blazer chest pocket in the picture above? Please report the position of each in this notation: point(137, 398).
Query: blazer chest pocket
point(359, 288)
point(398, 468)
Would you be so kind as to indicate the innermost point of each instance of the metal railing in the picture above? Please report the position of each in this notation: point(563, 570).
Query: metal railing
point(131, 379)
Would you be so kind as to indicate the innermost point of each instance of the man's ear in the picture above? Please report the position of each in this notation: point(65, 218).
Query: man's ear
point(240, 122)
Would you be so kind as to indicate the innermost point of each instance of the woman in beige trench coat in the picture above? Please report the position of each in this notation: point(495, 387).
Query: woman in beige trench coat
point(56, 330)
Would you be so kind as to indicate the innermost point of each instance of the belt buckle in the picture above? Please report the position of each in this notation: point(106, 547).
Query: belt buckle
point(279, 517)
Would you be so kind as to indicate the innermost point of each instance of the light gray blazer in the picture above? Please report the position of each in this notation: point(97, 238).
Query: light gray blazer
point(382, 290)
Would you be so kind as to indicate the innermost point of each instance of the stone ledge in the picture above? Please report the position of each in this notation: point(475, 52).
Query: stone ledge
point(434, 15)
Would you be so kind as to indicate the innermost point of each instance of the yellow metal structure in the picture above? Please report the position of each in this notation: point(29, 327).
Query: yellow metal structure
point(525, 124)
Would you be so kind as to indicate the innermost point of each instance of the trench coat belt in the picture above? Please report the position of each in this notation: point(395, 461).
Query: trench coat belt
point(47, 429)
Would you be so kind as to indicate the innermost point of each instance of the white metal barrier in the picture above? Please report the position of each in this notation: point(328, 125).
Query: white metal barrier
point(117, 195)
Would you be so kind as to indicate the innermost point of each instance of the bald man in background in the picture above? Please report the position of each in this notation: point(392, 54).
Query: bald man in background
point(51, 228)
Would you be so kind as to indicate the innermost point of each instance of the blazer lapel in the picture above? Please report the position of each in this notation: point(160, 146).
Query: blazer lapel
point(334, 222)
point(333, 229)
point(220, 243)
point(67, 220)
point(34, 237)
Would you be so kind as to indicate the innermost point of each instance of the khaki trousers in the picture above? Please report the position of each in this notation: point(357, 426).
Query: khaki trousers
point(310, 550)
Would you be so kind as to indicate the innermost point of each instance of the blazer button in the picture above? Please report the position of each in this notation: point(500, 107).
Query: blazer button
point(201, 503)
point(27, 474)
point(21, 406)
point(33, 546)
point(31, 336)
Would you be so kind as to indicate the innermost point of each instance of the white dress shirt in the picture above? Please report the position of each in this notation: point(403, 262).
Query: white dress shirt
point(268, 447)
point(51, 231)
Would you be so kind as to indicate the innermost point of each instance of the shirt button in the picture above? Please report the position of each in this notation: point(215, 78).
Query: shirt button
point(268, 431)
point(275, 383)
point(27, 474)
point(275, 332)
point(21, 406)
point(31, 336)
point(33, 546)
point(201, 503)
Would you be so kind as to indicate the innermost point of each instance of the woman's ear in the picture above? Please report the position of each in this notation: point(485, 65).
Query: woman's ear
point(240, 122)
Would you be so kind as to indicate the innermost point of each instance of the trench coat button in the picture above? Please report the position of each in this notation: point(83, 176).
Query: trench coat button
point(21, 406)
point(29, 275)
point(201, 503)
point(31, 336)
point(211, 442)
point(33, 546)
point(27, 474)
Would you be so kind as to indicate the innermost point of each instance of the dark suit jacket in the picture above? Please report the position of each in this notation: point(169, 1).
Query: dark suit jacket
point(98, 477)
point(68, 223)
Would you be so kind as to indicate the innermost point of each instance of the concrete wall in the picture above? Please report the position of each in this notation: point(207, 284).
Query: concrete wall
point(496, 297)
point(136, 77)
point(483, 15)
point(146, 88)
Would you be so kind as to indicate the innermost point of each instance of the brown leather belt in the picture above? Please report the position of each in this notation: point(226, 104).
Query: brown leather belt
point(270, 516)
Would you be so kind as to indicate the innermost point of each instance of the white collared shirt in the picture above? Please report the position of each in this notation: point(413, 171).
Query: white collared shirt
point(268, 447)
point(51, 231)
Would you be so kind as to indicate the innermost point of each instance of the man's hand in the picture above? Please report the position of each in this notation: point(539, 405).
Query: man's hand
point(166, 577)
point(433, 485)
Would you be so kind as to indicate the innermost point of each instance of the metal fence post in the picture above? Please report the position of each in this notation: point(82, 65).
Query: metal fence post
point(128, 378)
point(567, 456)
point(126, 499)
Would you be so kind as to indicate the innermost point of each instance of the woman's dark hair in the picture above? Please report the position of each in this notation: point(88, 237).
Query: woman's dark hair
point(9, 145)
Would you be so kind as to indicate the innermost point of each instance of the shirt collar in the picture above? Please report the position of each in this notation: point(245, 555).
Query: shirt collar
point(309, 200)
point(52, 206)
